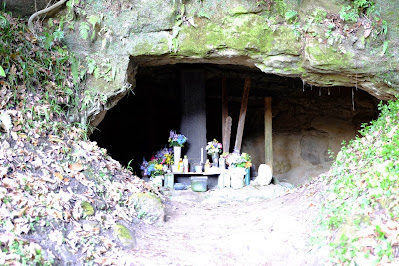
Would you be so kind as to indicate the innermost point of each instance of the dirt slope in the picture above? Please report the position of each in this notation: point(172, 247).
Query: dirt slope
point(234, 228)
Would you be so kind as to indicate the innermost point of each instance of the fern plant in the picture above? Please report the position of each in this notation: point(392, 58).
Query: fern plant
point(90, 26)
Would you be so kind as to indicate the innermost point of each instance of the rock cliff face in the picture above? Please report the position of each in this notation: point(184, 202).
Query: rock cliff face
point(302, 39)
point(321, 49)
point(24, 8)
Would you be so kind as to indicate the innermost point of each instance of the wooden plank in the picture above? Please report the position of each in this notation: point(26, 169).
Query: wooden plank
point(243, 112)
point(227, 130)
point(225, 114)
point(268, 133)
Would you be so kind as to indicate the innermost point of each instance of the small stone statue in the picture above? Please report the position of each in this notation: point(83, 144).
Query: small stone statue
point(264, 175)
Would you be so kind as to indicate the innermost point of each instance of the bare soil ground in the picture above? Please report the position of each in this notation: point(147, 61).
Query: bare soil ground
point(251, 226)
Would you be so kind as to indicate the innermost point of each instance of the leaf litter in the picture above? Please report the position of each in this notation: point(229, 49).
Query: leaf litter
point(48, 173)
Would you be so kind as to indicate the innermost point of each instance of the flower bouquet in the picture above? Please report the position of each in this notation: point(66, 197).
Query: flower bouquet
point(236, 159)
point(176, 140)
point(245, 160)
point(214, 147)
point(158, 162)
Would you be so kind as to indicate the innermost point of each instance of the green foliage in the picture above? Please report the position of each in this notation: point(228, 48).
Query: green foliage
point(281, 7)
point(297, 30)
point(385, 48)
point(40, 65)
point(2, 72)
point(49, 40)
point(93, 20)
point(3, 22)
point(291, 16)
point(202, 14)
point(364, 6)
point(84, 29)
point(349, 14)
point(319, 15)
point(363, 180)
point(173, 41)
point(103, 70)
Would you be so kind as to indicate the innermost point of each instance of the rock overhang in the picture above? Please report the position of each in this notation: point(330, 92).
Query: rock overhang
point(237, 33)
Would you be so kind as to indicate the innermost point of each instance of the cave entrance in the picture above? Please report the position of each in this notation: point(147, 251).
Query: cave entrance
point(308, 122)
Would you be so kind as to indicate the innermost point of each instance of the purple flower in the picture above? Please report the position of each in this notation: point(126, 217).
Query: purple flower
point(176, 139)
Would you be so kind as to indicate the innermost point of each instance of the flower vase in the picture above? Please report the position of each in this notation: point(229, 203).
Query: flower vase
point(247, 176)
point(176, 154)
point(215, 159)
point(237, 178)
point(158, 180)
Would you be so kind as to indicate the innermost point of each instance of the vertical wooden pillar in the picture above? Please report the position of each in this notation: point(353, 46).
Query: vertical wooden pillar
point(225, 114)
point(227, 132)
point(243, 112)
point(193, 113)
point(268, 133)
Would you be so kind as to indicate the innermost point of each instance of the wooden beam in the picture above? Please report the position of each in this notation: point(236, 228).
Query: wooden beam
point(225, 114)
point(243, 112)
point(268, 133)
point(227, 132)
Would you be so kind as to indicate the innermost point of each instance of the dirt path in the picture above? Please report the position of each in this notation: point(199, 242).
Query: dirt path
point(251, 226)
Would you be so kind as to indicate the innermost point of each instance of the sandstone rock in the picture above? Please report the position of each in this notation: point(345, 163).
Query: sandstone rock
point(149, 207)
point(24, 7)
point(125, 236)
point(264, 175)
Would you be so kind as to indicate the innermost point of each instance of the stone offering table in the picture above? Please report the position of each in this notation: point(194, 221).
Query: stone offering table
point(217, 178)
point(185, 178)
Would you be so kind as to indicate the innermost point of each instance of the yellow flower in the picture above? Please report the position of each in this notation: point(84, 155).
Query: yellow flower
point(248, 164)
point(168, 158)
point(158, 167)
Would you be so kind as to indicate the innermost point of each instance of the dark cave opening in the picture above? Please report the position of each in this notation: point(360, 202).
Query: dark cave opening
point(308, 121)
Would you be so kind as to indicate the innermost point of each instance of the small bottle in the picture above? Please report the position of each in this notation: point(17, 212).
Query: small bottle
point(207, 166)
point(180, 166)
point(222, 163)
point(185, 164)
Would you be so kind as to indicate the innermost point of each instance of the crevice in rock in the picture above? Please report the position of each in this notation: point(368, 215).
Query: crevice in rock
point(308, 121)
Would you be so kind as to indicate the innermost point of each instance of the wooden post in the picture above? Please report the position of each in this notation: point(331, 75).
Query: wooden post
point(227, 132)
point(243, 112)
point(225, 114)
point(268, 133)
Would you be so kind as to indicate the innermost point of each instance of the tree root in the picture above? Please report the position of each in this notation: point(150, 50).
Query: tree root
point(43, 11)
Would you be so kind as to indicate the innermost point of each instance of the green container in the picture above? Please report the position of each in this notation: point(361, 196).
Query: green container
point(199, 184)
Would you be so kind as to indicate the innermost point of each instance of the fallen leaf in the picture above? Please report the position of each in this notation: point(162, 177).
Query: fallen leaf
point(367, 33)
point(17, 128)
point(59, 176)
point(76, 167)
point(56, 214)
point(22, 135)
point(54, 139)
point(35, 142)
point(22, 212)
point(48, 179)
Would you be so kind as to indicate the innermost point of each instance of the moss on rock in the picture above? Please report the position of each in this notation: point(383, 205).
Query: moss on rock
point(246, 30)
point(239, 10)
point(88, 210)
point(149, 207)
point(124, 235)
point(328, 58)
